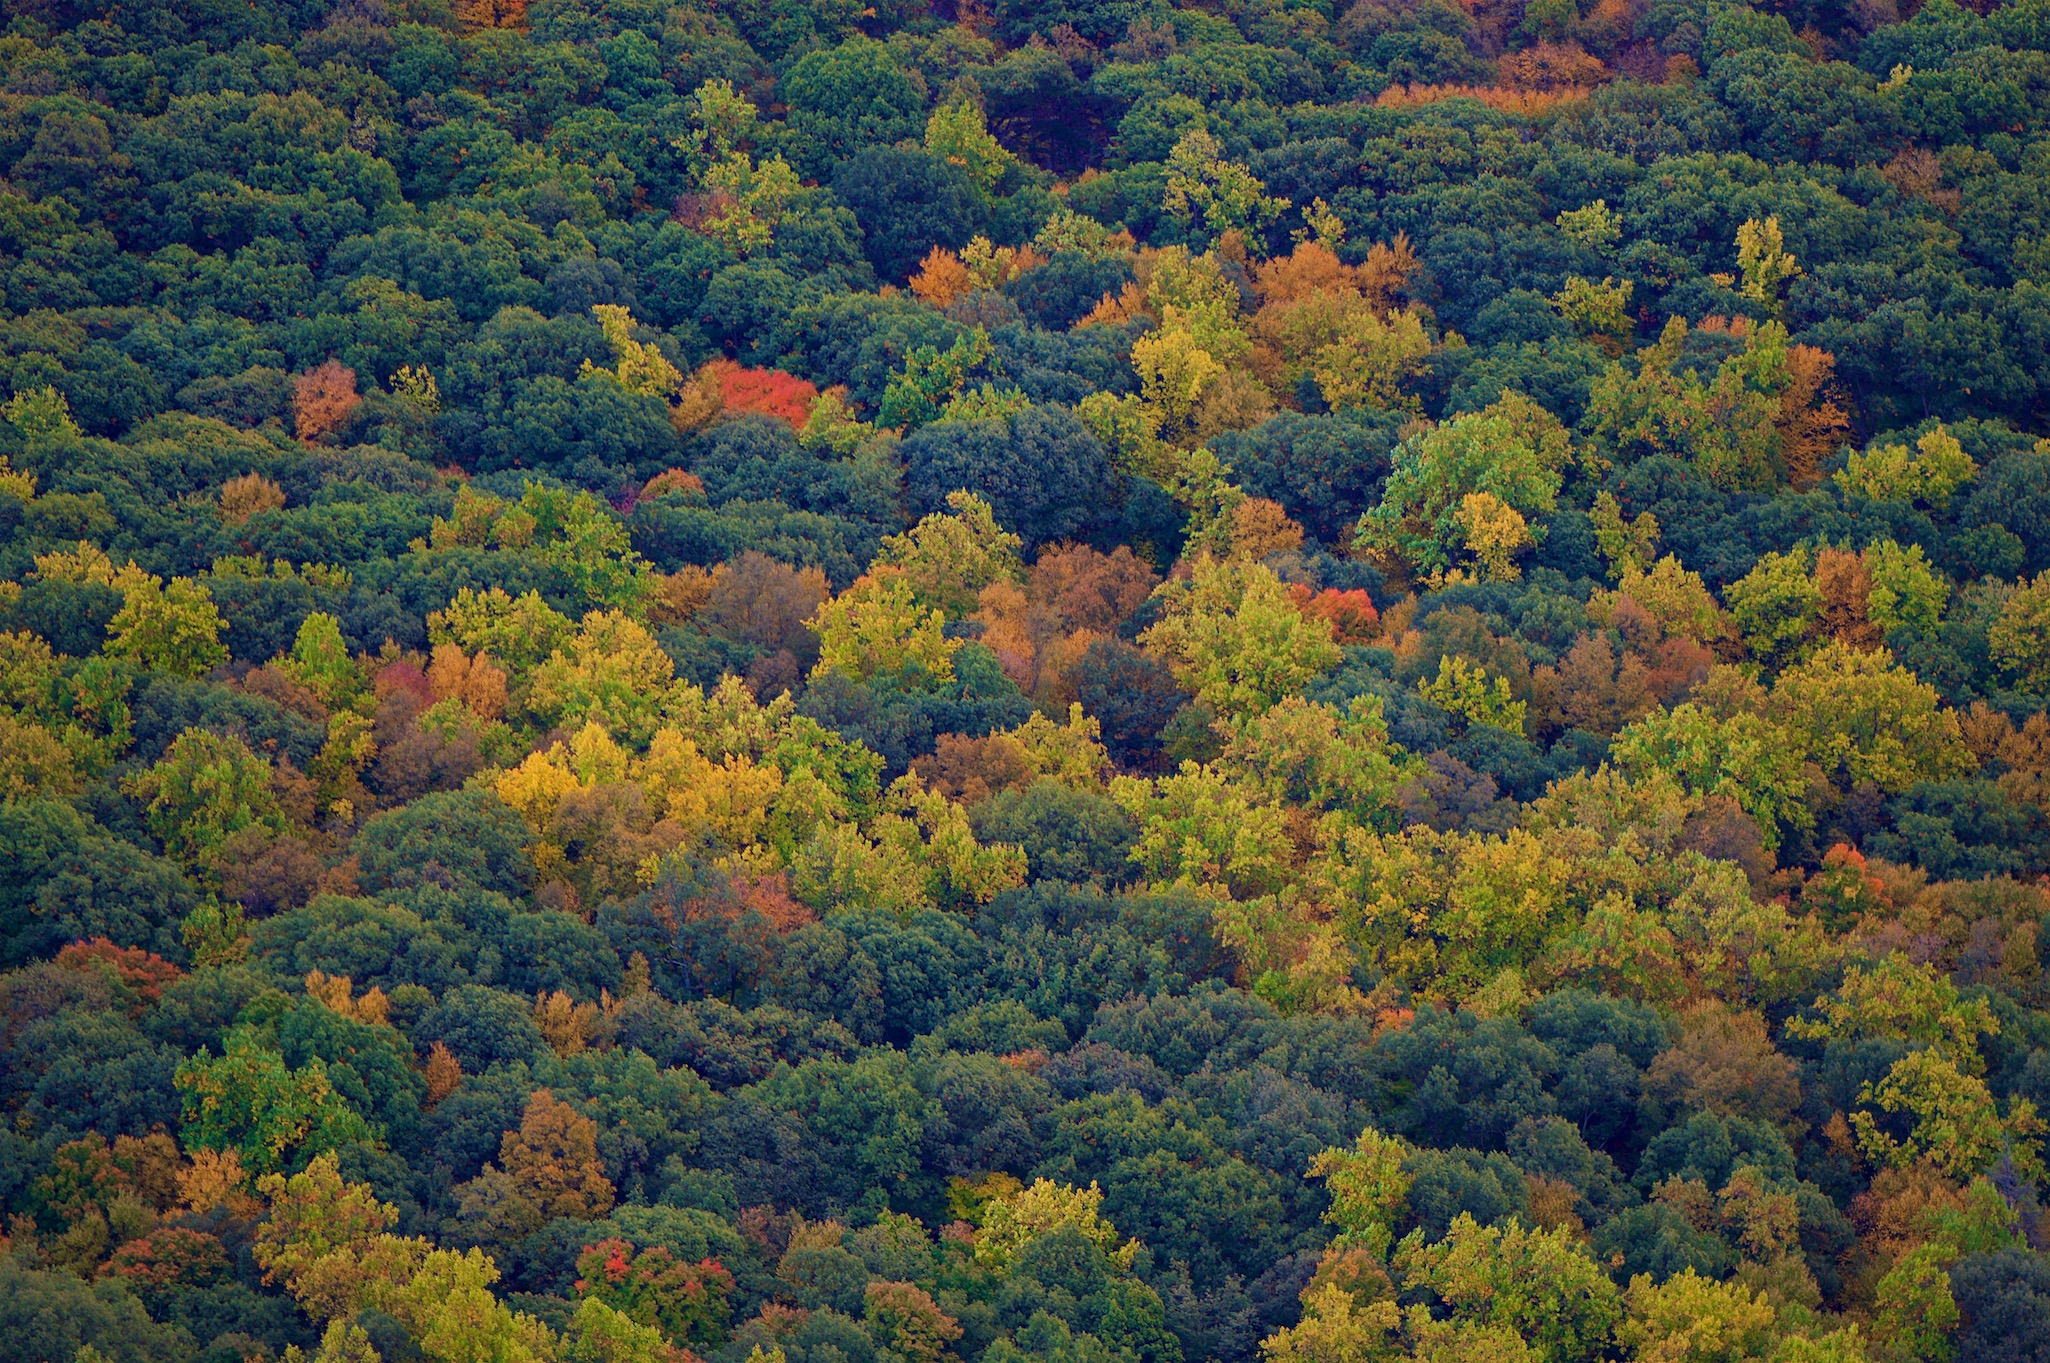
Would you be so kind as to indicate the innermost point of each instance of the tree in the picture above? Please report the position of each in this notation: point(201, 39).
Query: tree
point(324, 398)
point(843, 99)
point(249, 1101)
point(2020, 639)
point(1691, 1318)
point(548, 1168)
point(907, 201)
point(641, 369)
point(956, 132)
point(612, 673)
point(1764, 262)
point(1369, 1190)
point(1745, 757)
point(1417, 523)
point(877, 627)
point(1368, 359)
point(687, 1302)
point(204, 789)
point(1906, 589)
point(949, 558)
point(1953, 1118)
point(1012, 1221)
point(1045, 476)
point(1540, 1284)
point(1776, 606)
point(1930, 473)
point(1219, 195)
point(175, 629)
point(1866, 717)
point(1235, 638)
point(905, 1320)
point(319, 1235)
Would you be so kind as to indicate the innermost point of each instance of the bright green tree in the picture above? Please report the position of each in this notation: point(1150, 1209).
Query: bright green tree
point(1233, 636)
point(248, 1100)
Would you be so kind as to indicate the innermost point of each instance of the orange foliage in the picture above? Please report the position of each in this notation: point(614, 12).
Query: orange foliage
point(1260, 527)
point(477, 682)
point(1351, 613)
point(771, 392)
point(1073, 596)
point(1809, 429)
point(1846, 586)
point(1385, 274)
point(689, 485)
point(1116, 310)
point(144, 972)
point(1089, 590)
point(480, 14)
point(679, 595)
point(1529, 103)
point(243, 497)
point(941, 278)
point(323, 400)
point(444, 1072)
point(970, 770)
point(1550, 67)
point(553, 1160)
point(1594, 689)
point(1311, 268)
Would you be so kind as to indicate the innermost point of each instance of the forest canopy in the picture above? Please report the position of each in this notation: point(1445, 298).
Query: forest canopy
point(1024, 681)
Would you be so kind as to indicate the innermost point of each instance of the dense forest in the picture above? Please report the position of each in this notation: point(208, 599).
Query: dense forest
point(1024, 681)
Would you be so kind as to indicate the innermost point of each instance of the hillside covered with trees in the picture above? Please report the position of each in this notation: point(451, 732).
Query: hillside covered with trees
point(1051, 681)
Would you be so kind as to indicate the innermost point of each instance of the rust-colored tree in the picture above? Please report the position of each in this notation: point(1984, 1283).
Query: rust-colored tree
point(323, 400)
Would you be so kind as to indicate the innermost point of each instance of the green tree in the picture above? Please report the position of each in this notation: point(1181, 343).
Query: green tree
point(1763, 260)
point(2019, 639)
point(1931, 472)
point(249, 1101)
point(1864, 717)
point(1541, 1284)
point(1369, 1190)
point(949, 557)
point(1417, 523)
point(1468, 691)
point(1744, 756)
point(204, 788)
point(877, 627)
point(1222, 196)
point(1906, 589)
point(175, 628)
point(1234, 637)
point(1776, 606)
point(957, 133)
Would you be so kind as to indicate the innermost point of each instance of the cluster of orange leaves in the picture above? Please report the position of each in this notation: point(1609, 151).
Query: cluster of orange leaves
point(323, 400)
point(1351, 614)
point(725, 388)
point(1073, 596)
point(1530, 103)
point(943, 276)
point(1810, 423)
point(142, 972)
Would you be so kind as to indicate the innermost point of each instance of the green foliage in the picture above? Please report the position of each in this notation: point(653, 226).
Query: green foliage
point(1416, 524)
point(205, 789)
point(1235, 639)
point(249, 1101)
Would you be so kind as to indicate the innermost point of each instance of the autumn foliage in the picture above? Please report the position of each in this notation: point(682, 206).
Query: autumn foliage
point(769, 392)
point(323, 400)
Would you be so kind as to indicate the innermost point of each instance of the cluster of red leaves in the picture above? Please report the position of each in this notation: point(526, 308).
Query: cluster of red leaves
point(169, 1255)
point(1351, 613)
point(770, 392)
point(144, 972)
